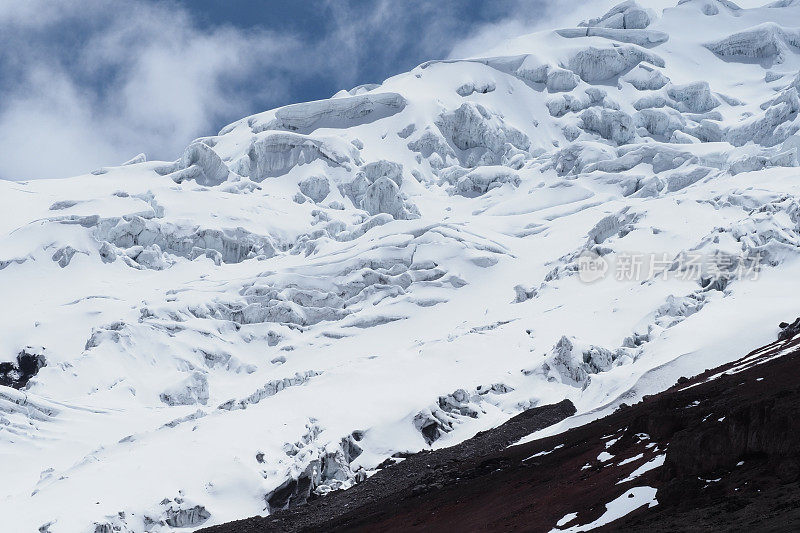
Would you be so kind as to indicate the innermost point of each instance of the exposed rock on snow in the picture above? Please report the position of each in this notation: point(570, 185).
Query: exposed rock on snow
point(328, 470)
point(17, 373)
point(450, 410)
point(191, 517)
point(789, 331)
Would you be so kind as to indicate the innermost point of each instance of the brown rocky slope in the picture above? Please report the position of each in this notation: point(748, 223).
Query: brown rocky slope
point(720, 452)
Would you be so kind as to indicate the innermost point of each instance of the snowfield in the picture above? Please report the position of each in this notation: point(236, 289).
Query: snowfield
point(323, 285)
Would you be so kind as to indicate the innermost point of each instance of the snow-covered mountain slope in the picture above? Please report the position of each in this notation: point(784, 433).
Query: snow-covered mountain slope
point(323, 285)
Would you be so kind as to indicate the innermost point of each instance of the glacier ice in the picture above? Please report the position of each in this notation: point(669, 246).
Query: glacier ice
point(628, 15)
point(383, 196)
point(768, 42)
point(336, 113)
point(572, 362)
point(480, 135)
point(480, 180)
point(694, 97)
point(610, 124)
point(315, 187)
point(593, 64)
point(637, 36)
point(202, 164)
point(274, 154)
point(133, 236)
point(559, 80)
point(191, 390)
point(646, 78)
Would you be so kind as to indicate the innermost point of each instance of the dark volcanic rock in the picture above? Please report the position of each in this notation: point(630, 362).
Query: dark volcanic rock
point(789, 330)
point(727, 439)
point(292, 492)
point(191, 517)
point(397, 482)
point(17, 373)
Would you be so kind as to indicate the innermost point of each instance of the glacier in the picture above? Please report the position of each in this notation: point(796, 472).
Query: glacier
point(318, 288)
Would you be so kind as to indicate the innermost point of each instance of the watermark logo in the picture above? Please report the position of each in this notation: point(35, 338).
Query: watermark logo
point(687, 266)
point(591, 267)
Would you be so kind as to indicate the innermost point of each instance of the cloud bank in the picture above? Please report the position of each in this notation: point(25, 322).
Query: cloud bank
point(88, 83)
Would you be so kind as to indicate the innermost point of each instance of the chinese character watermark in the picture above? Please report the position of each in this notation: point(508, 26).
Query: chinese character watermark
point(686, 266)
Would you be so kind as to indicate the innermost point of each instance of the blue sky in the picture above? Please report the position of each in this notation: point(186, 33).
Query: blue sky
point(87, 83)
point(419, 30)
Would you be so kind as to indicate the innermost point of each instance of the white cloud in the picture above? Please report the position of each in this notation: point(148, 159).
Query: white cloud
point(96, 81)
point(89, 83)
point(528, 16)
point(139, 77)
